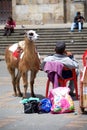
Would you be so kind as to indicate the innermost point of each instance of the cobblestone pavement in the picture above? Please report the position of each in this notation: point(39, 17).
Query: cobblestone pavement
point(13, 118)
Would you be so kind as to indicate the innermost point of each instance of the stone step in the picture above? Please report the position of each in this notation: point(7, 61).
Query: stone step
point(48, 50)
point(76, 42)
point(48, 31)
point(44, 30)
point(52, 36)
point(51, 45)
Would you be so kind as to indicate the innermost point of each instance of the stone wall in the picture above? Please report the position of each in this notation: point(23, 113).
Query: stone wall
point(74, 7)
point(43, 11)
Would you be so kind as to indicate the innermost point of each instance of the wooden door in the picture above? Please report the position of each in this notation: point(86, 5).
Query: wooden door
point(5, 10)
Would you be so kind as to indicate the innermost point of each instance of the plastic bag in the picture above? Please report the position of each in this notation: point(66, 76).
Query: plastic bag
point(61, 100)
point(45, 105)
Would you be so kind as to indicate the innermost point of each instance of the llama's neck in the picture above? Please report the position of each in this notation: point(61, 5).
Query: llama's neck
point(29, 47)
point(30, 57)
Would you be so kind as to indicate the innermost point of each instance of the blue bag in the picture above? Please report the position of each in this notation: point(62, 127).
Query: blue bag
point(45, 105)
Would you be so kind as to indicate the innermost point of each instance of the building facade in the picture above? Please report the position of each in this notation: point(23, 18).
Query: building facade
point(41, 11)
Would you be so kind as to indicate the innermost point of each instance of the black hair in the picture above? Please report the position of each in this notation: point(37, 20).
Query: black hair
point(60, 47)
point(10, 18)
point(78, 13)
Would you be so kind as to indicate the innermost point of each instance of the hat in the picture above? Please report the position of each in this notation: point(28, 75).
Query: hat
point(60, 47)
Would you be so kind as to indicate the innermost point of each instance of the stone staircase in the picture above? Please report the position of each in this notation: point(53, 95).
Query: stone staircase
point(76, 42)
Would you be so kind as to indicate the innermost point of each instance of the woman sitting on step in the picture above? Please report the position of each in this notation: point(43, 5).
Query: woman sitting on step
point(9, 26)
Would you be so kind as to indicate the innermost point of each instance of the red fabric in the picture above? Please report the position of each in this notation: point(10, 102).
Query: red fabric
point(16, 53)
point(84, 58)
point(11, 24)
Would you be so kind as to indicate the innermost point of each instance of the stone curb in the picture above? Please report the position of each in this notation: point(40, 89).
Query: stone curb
point(68, 25)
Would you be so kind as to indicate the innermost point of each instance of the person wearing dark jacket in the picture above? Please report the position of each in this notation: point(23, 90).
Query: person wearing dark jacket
point(78, 22)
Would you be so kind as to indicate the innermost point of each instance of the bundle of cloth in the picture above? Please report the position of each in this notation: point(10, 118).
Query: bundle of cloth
point(61, 100)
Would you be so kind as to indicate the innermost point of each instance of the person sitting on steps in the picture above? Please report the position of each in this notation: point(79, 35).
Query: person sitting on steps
point(9, 26)
point(78, 22)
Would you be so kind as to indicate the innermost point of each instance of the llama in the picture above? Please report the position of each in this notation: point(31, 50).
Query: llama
point(28, 62)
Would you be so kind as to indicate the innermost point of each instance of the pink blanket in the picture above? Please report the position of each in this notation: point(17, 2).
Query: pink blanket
point(53, 69)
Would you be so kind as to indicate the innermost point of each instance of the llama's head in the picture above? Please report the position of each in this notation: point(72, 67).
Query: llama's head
point(31, 35)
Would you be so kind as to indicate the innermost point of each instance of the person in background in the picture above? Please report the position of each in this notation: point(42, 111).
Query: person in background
point(78, 22)
point(9, 26)
point(64, 57)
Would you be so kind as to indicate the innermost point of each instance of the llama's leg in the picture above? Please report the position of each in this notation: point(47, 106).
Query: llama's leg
point(25, 83)
point(32, 78)
point(12, 72)
point(18, 76)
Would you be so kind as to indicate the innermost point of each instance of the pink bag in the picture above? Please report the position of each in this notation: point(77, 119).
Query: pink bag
point(61, 100)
